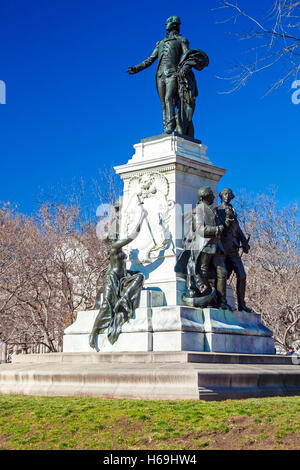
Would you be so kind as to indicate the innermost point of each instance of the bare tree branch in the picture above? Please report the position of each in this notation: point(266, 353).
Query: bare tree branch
point(277, 27)
point(51, 265)
point(273, 264)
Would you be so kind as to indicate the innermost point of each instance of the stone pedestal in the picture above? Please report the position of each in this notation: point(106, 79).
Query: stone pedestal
point(151, 375)
point(176, 328)
point(137, 333)
point(165, 173)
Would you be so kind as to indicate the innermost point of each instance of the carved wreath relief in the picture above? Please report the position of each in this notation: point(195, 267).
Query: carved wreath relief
point(152, 190)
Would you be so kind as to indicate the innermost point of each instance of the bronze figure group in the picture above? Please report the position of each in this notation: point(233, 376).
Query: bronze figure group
point(211, 253)
point(175, 80)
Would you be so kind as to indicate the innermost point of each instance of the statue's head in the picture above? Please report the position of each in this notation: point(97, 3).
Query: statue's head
point(173, 23)
point(206, 194)
point(226, 195)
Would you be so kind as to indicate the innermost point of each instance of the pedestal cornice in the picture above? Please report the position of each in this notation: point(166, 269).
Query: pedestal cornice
point(169, 153)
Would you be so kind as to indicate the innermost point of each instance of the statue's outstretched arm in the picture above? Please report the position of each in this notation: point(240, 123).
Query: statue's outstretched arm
point(146, 63)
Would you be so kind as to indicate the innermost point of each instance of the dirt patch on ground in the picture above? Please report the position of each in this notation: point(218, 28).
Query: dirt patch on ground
point(242, 434)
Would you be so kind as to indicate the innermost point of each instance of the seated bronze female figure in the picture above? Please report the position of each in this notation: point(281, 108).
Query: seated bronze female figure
point(120, 290)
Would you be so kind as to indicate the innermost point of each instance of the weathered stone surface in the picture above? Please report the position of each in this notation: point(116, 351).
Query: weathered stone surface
point(157, 356)
point(177, 328)
point(184, 375)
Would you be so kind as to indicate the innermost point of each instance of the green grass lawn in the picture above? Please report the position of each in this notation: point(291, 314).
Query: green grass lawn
point(94, 423)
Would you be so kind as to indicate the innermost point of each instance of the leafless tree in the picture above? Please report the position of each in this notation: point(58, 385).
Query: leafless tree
point(51, 266)
point(274, 39)
point(273, 264)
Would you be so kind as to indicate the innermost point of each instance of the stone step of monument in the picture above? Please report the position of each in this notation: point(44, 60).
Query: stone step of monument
point(153, 357)
point(150, 380)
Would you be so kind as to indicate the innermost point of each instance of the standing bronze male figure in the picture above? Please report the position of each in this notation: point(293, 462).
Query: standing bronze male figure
point(232, 239)
point(175, 81)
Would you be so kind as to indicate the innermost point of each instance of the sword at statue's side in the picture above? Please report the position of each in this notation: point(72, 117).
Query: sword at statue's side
point(147, 221)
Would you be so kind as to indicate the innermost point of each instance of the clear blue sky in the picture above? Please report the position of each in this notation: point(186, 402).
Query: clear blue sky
point(71, 108)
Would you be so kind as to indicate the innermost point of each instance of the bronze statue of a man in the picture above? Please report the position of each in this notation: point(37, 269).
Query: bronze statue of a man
point(232, 239)
point(175, 81)
point(207, 246)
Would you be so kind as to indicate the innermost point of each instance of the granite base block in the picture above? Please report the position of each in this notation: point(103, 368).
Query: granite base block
point(178, 341)
point(151, 375)
point(136, 334)
point(243, 344)
point(126, 343)
point(177, 328)
point(238, 323)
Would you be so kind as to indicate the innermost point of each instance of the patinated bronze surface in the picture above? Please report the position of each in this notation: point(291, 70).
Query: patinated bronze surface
point(232, 239)
point(120, 290)
point(203, 257)
point(175, 80)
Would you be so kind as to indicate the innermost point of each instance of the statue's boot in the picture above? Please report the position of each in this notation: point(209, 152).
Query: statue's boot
point(164, 117)
point(170, 126)
point(191, 293)
point(221, 291)
point(241, 289)
point(224, 305)
point(202, 283)
point(243, 308)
